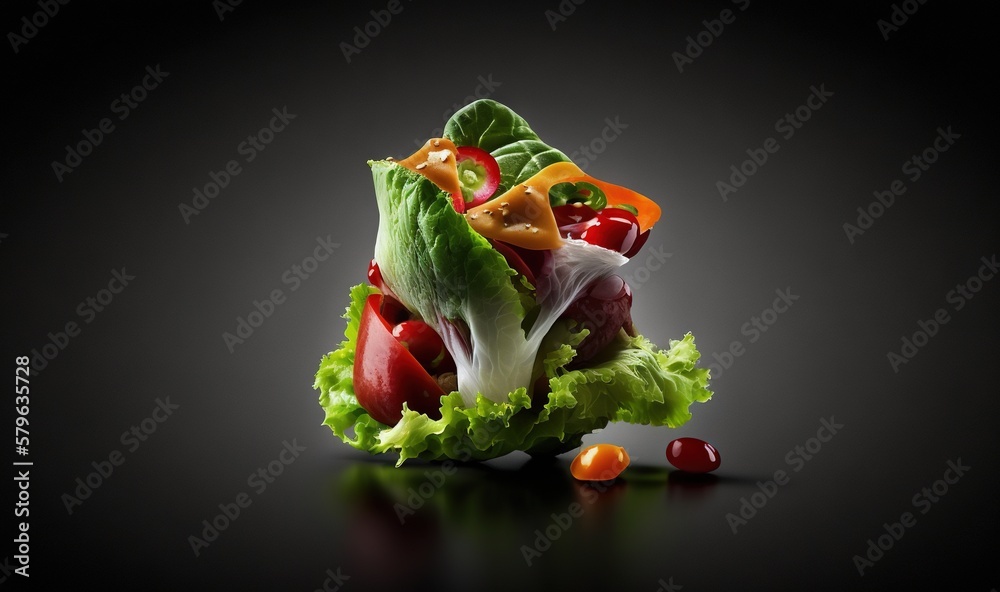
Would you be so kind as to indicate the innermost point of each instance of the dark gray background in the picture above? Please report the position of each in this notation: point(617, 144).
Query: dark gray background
point(333, 508)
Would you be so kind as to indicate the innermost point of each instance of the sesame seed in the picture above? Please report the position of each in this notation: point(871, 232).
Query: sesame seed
point(421, 166)
point(534, 230)
point(527, 224)
point(437, 142)
point(440, 155)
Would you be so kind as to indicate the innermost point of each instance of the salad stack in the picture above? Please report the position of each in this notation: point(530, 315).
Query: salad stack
point(493, 320)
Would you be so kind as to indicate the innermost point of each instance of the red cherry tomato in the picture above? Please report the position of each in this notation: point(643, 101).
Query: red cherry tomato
point(425, 344)
point(600, 462)
point(614, 229)
point(570, 214)
point(637, 245)
point(478, 174)
point(386, 375)
point(693, 455)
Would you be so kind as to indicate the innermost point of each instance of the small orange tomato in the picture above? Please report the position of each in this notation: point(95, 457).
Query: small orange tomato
point(600, 462)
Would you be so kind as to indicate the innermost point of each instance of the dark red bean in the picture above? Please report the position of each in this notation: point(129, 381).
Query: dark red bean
point(693, 455)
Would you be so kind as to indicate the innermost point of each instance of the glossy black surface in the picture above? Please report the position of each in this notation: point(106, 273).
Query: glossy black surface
point(709, 267)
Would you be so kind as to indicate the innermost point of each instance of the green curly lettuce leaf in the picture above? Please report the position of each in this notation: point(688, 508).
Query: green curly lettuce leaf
point(635, 383)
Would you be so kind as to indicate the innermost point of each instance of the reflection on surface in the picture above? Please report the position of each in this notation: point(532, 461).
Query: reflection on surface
point(692, 486)
point(450, 523)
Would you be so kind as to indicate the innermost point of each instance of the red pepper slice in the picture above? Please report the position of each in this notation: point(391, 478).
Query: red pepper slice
point(424, 344)
point(478, 174)
point(617, 195)
point(386, 375)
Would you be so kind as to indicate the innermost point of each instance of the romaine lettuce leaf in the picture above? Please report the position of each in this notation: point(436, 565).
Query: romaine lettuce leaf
point(448, 274)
